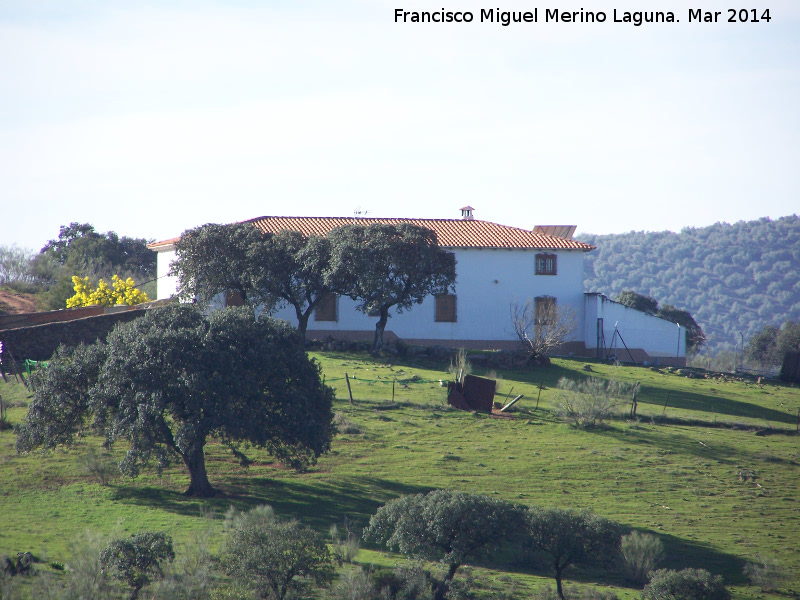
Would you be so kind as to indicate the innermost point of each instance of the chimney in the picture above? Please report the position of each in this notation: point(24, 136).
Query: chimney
point(466, 213)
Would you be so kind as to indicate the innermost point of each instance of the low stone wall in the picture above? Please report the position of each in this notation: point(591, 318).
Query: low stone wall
point(39, 342)
point(50, 316)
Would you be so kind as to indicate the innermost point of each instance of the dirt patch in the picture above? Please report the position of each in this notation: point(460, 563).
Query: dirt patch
point(12, 303)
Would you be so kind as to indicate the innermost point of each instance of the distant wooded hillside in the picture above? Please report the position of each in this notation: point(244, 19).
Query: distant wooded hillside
point(731, 278)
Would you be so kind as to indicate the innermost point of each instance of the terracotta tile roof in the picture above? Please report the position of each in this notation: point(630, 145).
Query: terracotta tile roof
point(451, 233)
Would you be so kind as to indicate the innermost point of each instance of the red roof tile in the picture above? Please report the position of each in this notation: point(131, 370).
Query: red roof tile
point(451, 233)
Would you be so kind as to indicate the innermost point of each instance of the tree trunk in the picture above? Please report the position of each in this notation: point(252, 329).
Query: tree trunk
point(380, 326)
point(302, 321)
point(199, 486)
point(558, 581)
point(441, 589)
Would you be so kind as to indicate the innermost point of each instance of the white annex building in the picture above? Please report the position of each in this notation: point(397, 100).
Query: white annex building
point(496, 267)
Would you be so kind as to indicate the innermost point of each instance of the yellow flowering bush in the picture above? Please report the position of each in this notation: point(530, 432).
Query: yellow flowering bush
point(122, 291)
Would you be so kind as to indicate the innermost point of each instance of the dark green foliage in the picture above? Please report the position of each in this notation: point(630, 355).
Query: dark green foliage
point(640, 302)
point(296, 272)
point(768, 346)
point(137, 560)
point(688, 584)
point(452, 527)
point(566, 538)
point(169, 380)
point(385, 266)
point(266, 270)
point(276, 557)
point(80, 250)
point(214, 259)
point(731, 278)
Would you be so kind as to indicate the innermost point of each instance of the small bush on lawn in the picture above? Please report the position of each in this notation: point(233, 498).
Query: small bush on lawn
point(688, 584)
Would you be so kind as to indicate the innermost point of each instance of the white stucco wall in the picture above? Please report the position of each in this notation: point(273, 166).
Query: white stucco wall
point(166, 284)
point(658, 337)
point(488, 281)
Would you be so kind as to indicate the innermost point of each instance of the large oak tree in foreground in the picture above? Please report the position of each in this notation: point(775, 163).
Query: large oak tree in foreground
point(169, 381)
point(382, 266)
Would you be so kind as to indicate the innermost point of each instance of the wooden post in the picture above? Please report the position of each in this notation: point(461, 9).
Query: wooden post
point(665, 403)
point(541, 386)
point(798, 420)
point(393, 390)
point(349, 391)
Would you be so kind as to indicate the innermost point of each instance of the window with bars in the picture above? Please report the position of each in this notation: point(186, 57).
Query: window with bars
point(445, 309)
point(545, 264)
point(326, 309)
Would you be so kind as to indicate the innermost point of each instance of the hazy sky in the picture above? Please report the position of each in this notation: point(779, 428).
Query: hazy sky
point(149, 118)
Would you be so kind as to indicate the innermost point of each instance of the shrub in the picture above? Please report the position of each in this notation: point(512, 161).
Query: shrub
point(641, 553)
point(346, 542)
point(459, 364)
point(589, 402)
point(766, 573)
point(688, 584)
point(275, 557)
point(137, 560)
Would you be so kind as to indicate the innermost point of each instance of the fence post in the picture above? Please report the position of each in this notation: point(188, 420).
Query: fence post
point(349, 391)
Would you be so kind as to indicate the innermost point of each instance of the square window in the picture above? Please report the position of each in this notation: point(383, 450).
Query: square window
point(545, 264)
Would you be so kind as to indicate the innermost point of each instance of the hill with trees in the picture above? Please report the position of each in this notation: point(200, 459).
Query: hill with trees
point(734, 279)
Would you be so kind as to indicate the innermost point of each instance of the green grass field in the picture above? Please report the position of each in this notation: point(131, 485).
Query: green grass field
point(675, 471)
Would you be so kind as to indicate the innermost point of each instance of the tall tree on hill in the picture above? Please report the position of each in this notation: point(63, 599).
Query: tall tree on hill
point(168, 381)
point(384, 266)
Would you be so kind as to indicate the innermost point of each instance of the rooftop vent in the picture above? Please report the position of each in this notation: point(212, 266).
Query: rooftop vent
point(466, 213)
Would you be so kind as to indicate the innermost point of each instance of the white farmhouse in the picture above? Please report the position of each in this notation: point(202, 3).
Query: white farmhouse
point(496, 267)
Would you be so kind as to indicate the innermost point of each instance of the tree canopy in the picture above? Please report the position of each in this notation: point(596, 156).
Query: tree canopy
point(214, 259)
point(275, 556)
point(570, 538)
point(444, 525)
point(168, 381)
point(768, 346)
point(80, 250)
point(137, 559)
point(385, 266)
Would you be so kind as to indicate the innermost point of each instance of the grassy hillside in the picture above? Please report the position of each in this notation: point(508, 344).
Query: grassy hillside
point(731, 278)
point(674, 471)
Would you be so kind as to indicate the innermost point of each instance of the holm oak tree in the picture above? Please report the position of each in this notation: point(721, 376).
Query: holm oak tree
point(169, 381)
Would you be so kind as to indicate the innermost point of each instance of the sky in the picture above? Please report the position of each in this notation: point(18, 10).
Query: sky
point(151, 118)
